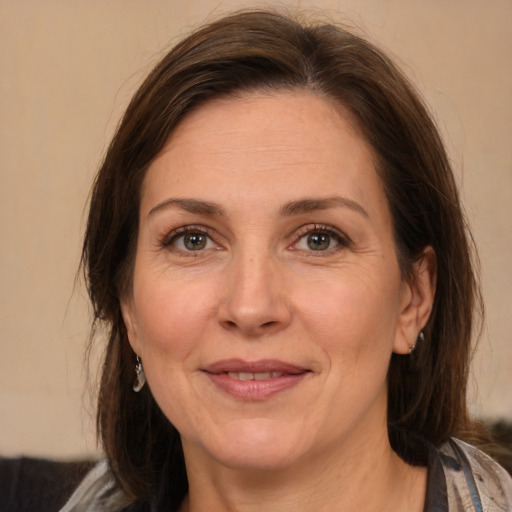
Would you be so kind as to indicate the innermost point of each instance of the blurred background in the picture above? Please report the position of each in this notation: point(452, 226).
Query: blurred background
point(67, 71)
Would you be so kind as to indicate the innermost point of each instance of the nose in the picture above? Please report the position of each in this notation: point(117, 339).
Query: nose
point(254, 302)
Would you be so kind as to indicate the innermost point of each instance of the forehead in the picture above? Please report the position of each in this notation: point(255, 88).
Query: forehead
point(263, 120)
point(268, 146)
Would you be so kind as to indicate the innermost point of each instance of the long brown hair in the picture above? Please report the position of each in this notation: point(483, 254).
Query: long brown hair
point(268, 51)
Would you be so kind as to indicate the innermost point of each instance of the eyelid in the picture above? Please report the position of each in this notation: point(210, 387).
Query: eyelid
point(343, 240)
point(169, 238)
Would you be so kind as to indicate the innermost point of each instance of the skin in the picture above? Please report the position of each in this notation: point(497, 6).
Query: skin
point(255, 289)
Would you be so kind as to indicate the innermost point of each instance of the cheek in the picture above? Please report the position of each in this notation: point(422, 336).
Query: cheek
point(354, 311)
point(171, 317)
point(171, 327)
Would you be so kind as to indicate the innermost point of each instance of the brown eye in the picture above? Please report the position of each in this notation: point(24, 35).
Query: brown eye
point(195, 241)
point(318, 241)
point(189, 240)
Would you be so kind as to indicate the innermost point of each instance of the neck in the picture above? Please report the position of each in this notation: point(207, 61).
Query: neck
point(367, 476)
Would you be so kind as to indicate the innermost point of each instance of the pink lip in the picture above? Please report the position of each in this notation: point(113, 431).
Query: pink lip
point(263, 365)
point(218, 373)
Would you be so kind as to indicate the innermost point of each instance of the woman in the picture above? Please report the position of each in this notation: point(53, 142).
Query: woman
point(276, 244)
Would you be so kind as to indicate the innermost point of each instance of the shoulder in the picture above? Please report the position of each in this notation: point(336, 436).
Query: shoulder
point(473, 477)
point(97, 491)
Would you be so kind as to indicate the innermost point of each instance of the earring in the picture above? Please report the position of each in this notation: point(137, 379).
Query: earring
point(140, 377)
point(419, 339)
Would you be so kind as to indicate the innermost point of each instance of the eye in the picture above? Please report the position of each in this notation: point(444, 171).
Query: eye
point(189, 239)
point(194, 241)
point(319, 239)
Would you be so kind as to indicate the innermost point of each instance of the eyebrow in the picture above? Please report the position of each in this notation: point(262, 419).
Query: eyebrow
point(190, 205)
point(314, 204)
point(298, 207)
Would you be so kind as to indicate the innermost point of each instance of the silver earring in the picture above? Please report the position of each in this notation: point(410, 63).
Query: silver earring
point(140, 377)
point(419, 339)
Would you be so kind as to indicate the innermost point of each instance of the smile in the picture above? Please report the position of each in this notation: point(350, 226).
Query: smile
point(253, 381)
point(254, 376)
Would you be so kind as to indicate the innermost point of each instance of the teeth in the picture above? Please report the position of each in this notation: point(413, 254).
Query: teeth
point(254, 376)
point(262, 376)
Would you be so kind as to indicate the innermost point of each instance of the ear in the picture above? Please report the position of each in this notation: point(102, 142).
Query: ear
point(130, 323)
point(416, 300)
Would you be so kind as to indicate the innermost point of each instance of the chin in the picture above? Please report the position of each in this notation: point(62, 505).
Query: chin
point(258, 445)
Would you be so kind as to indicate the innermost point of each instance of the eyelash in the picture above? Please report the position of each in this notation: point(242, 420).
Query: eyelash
point(342, 240)
point(172, 237)
point(310, 229)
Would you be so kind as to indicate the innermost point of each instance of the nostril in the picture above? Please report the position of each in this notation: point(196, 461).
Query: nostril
point(263, 327)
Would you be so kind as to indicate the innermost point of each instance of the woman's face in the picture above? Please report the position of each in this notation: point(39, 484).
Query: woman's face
point(267, 298)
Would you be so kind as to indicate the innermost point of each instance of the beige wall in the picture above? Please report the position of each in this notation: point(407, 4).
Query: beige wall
point(66, 71)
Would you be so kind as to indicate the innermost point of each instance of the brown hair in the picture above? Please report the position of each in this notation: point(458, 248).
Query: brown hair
point(268, 51)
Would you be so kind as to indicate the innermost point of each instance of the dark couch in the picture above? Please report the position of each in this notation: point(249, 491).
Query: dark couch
point(38, 485)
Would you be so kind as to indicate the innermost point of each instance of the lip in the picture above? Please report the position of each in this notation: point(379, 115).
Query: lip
point(289, 376)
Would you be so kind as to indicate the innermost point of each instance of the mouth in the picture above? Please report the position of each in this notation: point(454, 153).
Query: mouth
point(257, 380)
point(255, 375)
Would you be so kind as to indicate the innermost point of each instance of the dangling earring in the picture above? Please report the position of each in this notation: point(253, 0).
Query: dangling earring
point(419, 339)
point(140, 377)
